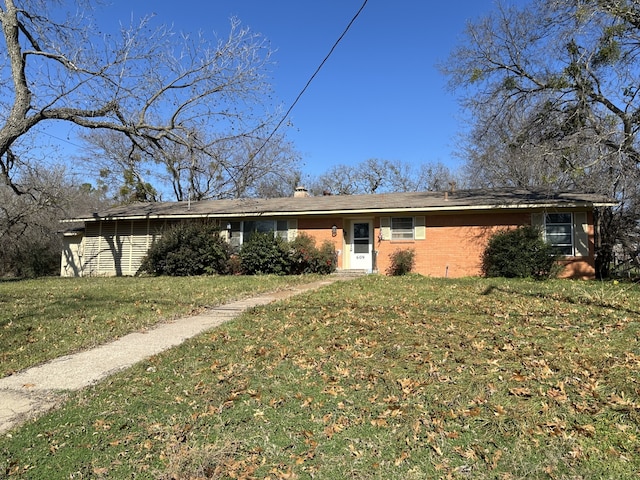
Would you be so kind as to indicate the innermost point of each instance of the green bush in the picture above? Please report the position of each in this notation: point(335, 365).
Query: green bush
point(188, 249)
point(305, 257)
point(235, 265)
point(519, 253)
point(402, 262)
point(35, 258)
point(34, 254)
point(328, 258)
point(264, 253)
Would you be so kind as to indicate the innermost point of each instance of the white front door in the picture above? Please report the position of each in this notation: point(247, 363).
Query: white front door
point(361, 245)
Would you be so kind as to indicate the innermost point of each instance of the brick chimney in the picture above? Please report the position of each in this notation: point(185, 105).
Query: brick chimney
point(301, 192)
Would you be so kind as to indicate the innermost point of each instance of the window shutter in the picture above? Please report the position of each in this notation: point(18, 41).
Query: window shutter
point(580, 234)
point(293, 229)
point(385, 228)
point(420, 228)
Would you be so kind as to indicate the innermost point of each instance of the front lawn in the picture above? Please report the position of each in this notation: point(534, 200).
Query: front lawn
point(388, 378)
point(45, 318)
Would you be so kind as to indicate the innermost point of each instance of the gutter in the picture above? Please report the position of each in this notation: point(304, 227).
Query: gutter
point(291, 213)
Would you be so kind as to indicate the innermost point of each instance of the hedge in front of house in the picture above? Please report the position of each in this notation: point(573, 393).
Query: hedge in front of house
point(519, 253)
point(198, 249)
point(305, 257)
point(264, 253)
point(402, 262)
point(188, 249)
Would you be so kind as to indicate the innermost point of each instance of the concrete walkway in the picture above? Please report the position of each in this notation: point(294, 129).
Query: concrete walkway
point(36, 390)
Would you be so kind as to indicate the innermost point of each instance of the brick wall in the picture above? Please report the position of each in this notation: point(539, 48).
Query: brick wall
point(453, 245)
point(581, 267)
point(320, 229)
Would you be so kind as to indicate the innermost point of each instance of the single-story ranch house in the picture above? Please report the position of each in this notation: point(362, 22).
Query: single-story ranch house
point(447, 230)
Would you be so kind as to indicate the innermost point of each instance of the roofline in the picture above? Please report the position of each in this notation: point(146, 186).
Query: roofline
point(350, 212)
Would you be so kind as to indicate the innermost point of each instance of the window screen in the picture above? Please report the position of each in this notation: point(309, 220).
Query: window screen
point(558, 229)
point(402, 228)
point(279, 228)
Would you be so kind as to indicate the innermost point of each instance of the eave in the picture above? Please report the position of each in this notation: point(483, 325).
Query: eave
point(351, 212)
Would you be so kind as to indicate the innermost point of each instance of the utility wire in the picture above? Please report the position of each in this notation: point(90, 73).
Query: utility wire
point(311, 79)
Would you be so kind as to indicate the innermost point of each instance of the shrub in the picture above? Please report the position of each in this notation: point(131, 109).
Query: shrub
point(305, 257)
point(188, 249)
point(402, 262)
point(29, 255)
point(519, 253)
point(264, 253)
point(328, 258)
point(235, 265)
point(37, 258)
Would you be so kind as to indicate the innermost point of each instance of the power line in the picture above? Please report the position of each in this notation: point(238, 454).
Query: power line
point(304, 89)
point(311, 78)
point(60, 139)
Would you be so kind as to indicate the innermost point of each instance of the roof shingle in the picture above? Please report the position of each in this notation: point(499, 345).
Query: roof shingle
point(477, 199)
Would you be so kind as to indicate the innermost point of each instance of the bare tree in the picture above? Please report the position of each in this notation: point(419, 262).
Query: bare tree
point(151, 85)
point(502, 152)
point(338, 180)
point(427, 177)
point(229, 168)
point(29, 223)
point(567, 69)
point(381, 176)
point(553, 92)
point(272, 172)
point(279, 185)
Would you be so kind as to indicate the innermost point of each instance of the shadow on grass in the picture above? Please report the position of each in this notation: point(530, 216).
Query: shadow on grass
point(597, 300)
point(12, 279)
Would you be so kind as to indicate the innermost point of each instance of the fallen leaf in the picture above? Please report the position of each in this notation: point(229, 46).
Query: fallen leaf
point(587, 430)
point(499, 410)
point(520, 392)
point(379, 422)
point(355, 452)
point(496, 458)
point(403, 456)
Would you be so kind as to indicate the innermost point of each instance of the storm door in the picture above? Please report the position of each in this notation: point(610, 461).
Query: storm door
point(361, 245)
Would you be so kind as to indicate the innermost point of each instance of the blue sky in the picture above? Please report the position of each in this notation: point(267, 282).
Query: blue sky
point(380, 95)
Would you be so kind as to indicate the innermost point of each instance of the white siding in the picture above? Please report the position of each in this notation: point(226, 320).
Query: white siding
point(72, 256)
point(108, 248)
point(138, 242)
point(116, 248)
point(91, 248)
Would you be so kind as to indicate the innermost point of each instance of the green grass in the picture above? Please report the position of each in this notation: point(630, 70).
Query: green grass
point(403, 377)
point(46, 318)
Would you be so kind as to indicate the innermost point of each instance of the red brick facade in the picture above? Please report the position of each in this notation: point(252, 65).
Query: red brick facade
point(448, 231)
point(453, 243)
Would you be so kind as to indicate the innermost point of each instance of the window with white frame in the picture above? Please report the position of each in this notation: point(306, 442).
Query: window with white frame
point(242, 231)
point(558, 232)
point(235, 235)
point(401, 228)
